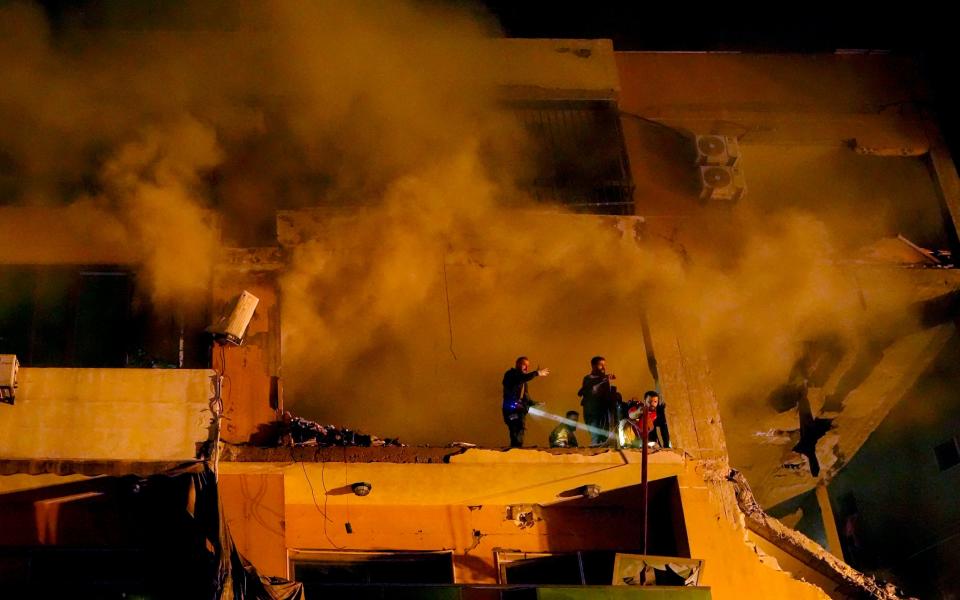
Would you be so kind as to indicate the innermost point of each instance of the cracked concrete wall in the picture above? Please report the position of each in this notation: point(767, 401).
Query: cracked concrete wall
point(895, 487)
point(804, 125)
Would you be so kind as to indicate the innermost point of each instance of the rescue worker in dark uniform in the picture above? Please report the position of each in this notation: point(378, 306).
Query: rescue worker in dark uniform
point(598, 400)
point(516, 398)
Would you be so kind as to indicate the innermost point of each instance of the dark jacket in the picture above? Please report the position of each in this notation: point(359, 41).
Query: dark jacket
point(516, 398)
point(595, 393)
point(661, 424)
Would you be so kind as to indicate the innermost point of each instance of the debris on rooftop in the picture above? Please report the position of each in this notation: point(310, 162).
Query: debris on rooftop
point(304, 432)
point(297, 431)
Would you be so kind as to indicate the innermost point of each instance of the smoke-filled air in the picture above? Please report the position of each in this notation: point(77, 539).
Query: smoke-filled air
point(430, 271)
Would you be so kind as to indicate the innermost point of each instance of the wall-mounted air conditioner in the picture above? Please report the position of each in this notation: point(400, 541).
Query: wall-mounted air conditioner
point(717, 150)
point(721, 184)
point(9, 368)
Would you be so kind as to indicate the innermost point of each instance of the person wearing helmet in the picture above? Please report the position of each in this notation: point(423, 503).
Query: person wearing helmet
point(564, 435)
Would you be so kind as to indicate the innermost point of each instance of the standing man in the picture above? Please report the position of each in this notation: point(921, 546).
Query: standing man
point(516, 398)
point(598, 400)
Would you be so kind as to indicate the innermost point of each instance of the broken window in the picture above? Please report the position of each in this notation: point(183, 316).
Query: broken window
point(545, 568)
point(580, 156)
point(91, 316)
point(948, 454)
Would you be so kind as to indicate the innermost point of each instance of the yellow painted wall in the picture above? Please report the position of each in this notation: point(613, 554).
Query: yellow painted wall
point(439, 506)
point(118, 414)
point(732, 568)
point(793, 565)
point(428, 528)
point(20, 482)
point(477, 477)
point(253, 507)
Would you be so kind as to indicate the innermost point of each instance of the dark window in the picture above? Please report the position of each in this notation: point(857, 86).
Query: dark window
point(387, 567)
point(91, 316)
point(578, 568)
point(948, 454)
point(362, 574)
point(581, 159)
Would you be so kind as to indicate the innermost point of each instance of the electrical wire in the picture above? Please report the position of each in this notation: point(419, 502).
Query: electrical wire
point(446, 295)
point(216, 407)
point(255, 502)
point(326, 499)
point(223, 372)
point(345, 480)
point(313, 494)
point(673, 130)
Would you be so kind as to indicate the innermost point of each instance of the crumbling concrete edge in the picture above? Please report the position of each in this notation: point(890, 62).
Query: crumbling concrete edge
point(90, 467)
point(800, 546)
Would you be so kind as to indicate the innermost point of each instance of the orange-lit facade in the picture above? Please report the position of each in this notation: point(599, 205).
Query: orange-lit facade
point(290, 509)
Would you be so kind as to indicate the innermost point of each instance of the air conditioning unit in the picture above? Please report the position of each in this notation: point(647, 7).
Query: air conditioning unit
point(9, 367)
point(717, 150)
point(721, 184)
point(232, 324)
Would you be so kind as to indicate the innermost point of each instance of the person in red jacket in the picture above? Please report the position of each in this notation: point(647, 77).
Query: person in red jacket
point(654, 412)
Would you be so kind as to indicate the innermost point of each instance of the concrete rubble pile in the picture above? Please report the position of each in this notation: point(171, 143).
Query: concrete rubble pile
point(297, 431)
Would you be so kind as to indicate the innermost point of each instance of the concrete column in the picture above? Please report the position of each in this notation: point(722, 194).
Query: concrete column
point(693, 412)
point(684, 378)
point(945, 174)
point(829, 522)
point(251, 369)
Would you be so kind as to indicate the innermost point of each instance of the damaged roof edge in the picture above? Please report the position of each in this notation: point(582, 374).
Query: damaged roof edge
point(240, 453)
point(800, 546)
point(90, 468)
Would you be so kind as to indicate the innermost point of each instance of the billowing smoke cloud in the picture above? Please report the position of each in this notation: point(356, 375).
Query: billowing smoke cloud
point(370, 298)
point(401, 314)
point(243, 107)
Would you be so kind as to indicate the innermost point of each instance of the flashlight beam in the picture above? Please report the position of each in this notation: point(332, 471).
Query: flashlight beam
point(595, 430)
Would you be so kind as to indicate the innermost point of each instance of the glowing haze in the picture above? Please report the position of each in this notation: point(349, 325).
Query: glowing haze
point(399, 317)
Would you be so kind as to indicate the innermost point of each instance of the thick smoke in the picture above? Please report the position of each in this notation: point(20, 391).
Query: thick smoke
point(400, 314)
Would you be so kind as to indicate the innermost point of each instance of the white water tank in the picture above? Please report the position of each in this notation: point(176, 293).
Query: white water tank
point(232, 325)
point(9, 366)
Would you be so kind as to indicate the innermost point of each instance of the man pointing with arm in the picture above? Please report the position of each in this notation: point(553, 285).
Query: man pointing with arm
point(516, 398)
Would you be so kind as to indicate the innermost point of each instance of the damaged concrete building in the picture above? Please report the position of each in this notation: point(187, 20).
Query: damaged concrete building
point(645, 151)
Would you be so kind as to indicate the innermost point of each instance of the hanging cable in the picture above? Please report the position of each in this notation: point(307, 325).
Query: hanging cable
point(446, 294)
point(326, 499)
point(216, 410)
